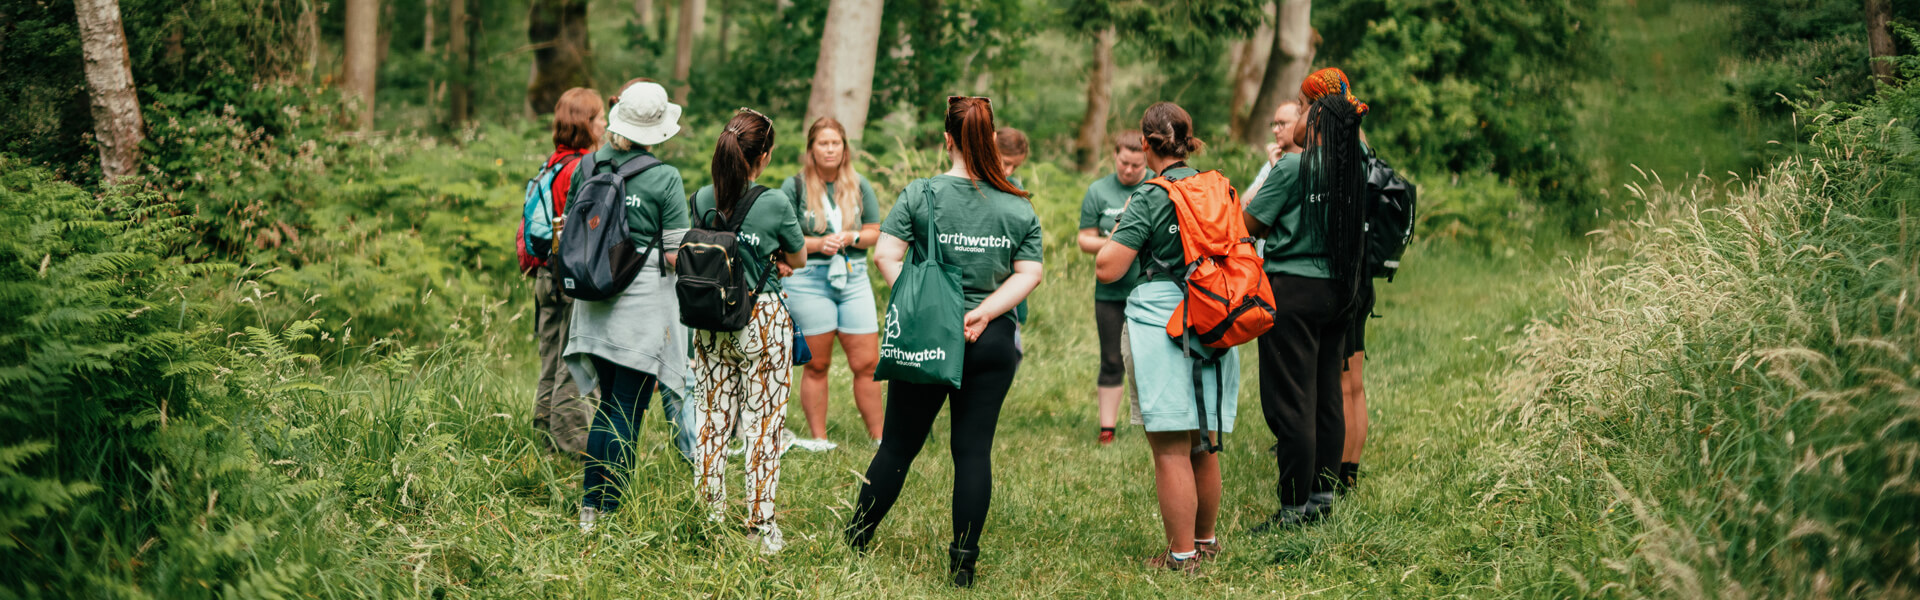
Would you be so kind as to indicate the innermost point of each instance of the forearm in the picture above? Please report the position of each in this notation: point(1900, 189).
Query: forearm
point(1010, 293)
point(1090, 241)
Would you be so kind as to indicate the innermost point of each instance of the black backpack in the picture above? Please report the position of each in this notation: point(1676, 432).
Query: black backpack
point(713, 288)
point(1389, 218)
point(593, 257)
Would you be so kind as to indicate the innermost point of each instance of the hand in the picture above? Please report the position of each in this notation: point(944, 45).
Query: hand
point(1273, 152)
point(831, 243)
point(976, 324)
point(784, 270)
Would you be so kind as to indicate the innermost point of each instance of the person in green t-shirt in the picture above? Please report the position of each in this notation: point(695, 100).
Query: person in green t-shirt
point(742, 376)
point(1186, 480)
point(1309, 212)
point(1012, 144)
point(1099, 211)
point(832, 297)
point(988, 230)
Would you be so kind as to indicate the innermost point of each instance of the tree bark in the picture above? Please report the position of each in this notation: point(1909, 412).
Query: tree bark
point(1093, 128)
point(562, 58)
point(1287, 64)
point(1879, 40)
point(117, 126)
point(692, 14)
point(460, 51)
point(362, 59)
point(843, 77)
point(643, 10)
point(1249, 62)
point(725, 5)
point(427, 45)
point(307, 34)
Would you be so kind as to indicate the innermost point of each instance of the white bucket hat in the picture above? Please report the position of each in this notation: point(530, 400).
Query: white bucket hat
point(644, 115)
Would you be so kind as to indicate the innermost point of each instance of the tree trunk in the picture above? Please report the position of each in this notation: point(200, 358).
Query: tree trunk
point(1287, 64)
point(725, 5)
point(692, 14)
point(1249, 62)
point(1879, 41)
point(562, 59)
point(843, 77)
point(1093, 128)
point(307, 32)
point(117, 125)
point(460, 51)
point(427, 45)
point(643, 10)
point(362, 59)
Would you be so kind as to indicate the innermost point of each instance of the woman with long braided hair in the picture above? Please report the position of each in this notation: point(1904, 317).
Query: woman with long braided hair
point(1311, 213)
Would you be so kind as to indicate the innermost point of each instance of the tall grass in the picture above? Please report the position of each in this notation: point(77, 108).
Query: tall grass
point(1735, 381)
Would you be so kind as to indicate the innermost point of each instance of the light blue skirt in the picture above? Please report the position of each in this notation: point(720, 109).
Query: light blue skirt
point(1163, 376)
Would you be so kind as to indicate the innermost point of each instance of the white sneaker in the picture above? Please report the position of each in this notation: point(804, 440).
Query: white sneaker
point(587, 516)
point(769, 539)
point(819, 445)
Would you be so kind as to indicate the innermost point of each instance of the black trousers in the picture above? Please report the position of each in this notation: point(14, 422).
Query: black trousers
point(1300, 362)
point(987, 375)
point(1108, 317)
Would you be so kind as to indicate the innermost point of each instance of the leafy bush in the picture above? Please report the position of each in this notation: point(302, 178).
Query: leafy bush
point(1738, 379)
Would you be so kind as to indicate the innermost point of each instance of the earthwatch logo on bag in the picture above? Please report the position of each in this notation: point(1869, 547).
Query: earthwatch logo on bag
point(904, 357)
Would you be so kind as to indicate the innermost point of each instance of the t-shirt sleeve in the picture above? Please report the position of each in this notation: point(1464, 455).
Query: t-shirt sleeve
point(1032, 246)
point(899, 223)
point(1136, 224)
point(1280, 187)
point(672, 194)
point(791, 239)
point(869, 203)
point(1090, 208)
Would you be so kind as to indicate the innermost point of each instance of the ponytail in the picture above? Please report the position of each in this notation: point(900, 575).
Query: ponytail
point(970, 122)
point(748, 136)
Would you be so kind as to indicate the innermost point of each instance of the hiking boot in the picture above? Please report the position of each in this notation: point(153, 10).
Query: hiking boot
point(960, 564)
point(1106, 436)
point(810, 445)
point(1165, 561)
point(1207, 550)
point(1286, 518)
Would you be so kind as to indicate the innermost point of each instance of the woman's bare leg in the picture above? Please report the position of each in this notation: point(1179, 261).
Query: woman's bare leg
point(863, 354)
point(813, 384)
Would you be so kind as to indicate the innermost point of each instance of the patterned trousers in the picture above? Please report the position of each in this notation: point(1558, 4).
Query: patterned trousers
point(743, 378)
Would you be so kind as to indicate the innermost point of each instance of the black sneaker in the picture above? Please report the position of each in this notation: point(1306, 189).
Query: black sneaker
point(1288, 518)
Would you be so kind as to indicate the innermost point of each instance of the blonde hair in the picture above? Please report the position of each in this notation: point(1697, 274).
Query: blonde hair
point(847, 197)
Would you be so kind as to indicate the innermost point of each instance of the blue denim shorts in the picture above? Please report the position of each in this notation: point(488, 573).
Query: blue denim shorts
point(820, 306)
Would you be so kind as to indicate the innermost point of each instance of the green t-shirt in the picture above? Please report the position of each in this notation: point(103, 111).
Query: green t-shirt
point(769, 227)
point(869, 211)
point(1106, 198)
point(1281, 205)
point(656, 198)
point(1152, 226)
point(981, 231)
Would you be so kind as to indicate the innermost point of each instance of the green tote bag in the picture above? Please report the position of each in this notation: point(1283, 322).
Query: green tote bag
point(925, 340)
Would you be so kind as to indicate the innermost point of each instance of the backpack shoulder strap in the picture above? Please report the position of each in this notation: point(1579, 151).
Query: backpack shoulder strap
point(738, 218)
point(636, 165)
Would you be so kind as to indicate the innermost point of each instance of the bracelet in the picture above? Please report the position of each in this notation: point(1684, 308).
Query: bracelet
point(856, 239)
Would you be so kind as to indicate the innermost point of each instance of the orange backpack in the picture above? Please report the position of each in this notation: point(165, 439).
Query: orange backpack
point(1228, 301)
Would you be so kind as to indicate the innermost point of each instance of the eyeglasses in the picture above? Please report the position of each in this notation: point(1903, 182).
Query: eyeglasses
point(748, 111)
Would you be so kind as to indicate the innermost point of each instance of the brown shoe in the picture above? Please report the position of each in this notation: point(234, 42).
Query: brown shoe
point(1207, 550)
point(1165, 561)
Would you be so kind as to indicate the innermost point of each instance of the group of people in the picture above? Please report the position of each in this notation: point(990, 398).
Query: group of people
point(809, 240)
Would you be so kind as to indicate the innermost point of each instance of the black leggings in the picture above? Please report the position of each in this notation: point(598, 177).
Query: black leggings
point(1300, 362)
point(1108, 317)
point(988, 374)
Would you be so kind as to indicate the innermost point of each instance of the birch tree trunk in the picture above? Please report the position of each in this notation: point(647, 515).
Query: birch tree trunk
point(362, 59)
point(692, 14)
point(1879, 40)
point(1249, 63)
point(1093, 128)
point(1287, 64)
point(843, 77)
point(117, 126)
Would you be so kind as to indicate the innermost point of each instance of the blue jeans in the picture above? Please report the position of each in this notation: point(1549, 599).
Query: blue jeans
point(624, 394)
point(832, 294)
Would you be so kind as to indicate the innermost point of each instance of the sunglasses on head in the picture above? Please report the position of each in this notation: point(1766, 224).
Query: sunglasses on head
point(748, 111)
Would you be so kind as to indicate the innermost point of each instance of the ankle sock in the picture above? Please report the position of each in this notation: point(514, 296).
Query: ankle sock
point(1183, 555)
point(1211, 540)
point(1107, 430)
point(1349, 473)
